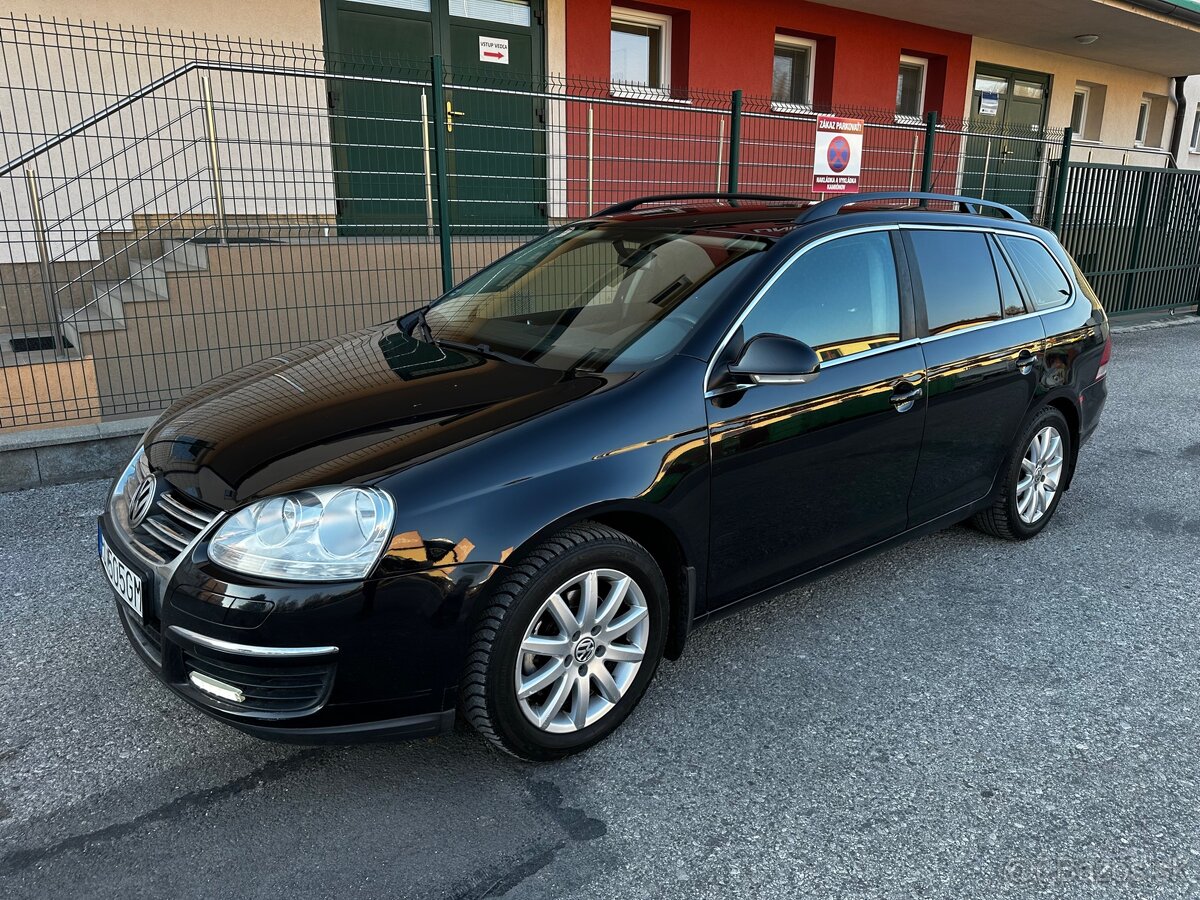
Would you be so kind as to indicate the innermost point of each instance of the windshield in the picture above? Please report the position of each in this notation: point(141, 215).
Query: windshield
point(596, 297)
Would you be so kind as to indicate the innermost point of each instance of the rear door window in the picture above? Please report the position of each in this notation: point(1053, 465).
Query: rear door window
point(1045, 281)
point(958, 278)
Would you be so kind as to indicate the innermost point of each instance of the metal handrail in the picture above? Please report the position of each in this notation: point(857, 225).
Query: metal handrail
point(193, 66)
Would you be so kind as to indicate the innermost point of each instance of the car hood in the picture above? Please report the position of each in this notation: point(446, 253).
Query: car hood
point(344, 410)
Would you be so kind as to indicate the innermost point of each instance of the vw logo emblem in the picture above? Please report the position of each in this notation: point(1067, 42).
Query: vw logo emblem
point(143, 499)
point(585, 650)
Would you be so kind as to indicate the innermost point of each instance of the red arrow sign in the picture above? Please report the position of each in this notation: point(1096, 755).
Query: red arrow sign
point(496, 55)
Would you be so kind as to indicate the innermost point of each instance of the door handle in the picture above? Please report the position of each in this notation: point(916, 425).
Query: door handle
point(904, 395)
point(1025, 362)
point(451, 112)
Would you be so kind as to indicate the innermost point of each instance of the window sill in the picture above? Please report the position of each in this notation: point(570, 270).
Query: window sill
point(902, 119)
point(656, 95)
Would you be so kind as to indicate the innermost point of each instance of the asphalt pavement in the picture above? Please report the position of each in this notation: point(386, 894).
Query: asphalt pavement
point(960, 717)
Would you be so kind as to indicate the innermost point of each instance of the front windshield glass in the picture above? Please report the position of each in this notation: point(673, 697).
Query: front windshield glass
point(597, 297)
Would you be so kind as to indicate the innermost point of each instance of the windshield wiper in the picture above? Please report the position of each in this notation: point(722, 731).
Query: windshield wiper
point(486, 350)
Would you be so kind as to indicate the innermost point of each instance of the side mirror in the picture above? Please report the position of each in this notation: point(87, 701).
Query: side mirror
point(775, 359)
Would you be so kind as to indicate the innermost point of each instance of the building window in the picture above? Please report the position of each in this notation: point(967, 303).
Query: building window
point(1143, 125)
point(792, 76)
point(507, 12)
point(910, 87)
point(1196, 131)
point(1087, 110)
point(1079, 110)
point(641, 52)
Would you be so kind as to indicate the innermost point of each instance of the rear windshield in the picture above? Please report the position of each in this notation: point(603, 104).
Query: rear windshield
point(596, 297)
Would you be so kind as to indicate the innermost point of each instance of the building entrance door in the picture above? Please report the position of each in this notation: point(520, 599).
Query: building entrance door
point(495, 140)
point(1006, 154)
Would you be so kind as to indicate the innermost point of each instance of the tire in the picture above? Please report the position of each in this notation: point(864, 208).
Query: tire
point(1011, 516)
point(521, 642)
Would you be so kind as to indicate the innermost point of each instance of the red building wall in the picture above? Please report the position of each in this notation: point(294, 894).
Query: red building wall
point(724, 44)
point(718, 46)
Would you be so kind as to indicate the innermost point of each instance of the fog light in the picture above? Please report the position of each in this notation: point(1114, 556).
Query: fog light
point(216, 688)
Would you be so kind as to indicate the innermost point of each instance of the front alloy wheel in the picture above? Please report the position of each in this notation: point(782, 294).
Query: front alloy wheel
point(567, 643)
point(582, 651)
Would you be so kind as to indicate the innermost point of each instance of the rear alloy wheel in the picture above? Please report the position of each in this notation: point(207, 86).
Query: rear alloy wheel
point(1033, 479)
point(567, 645)
point(1041, 475)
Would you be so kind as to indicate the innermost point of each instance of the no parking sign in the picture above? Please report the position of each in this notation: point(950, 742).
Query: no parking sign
point(837, 155)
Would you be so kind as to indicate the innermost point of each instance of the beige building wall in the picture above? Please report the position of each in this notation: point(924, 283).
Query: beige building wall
point(292, 21)
point(1189, 152)
point(1121, 89)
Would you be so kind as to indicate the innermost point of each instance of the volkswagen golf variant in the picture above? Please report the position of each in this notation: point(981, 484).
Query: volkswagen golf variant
point(509, 505)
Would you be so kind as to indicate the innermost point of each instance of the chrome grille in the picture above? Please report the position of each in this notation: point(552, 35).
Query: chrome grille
point(173, 523)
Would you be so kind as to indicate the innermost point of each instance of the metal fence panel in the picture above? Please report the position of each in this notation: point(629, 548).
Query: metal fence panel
point(177, 206)
point(1135, 233)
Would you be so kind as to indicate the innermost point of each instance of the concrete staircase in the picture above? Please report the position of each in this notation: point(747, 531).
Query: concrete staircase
point(134, 272)
point(146, 283)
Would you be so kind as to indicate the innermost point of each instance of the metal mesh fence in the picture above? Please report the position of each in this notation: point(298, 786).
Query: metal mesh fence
point(177, 206)
point(1135, 232)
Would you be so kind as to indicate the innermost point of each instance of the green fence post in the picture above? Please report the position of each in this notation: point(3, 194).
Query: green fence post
point(1060, 184)
point(437, 120)
point(927, 161)
point(1139, 234)
point(735, 139)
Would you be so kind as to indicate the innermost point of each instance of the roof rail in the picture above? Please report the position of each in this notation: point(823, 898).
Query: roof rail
point(834, 205)
point(627, 205)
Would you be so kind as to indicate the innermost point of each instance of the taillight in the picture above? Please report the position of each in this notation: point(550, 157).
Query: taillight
point(1103, 370)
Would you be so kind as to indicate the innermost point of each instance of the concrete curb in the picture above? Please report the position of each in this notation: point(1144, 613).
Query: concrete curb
point(31, 459)
point(1173, 322)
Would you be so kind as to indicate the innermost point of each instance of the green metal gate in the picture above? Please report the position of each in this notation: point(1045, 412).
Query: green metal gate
point(1135, 232)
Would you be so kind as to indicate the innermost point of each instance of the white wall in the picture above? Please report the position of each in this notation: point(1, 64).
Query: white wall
point(151, 158)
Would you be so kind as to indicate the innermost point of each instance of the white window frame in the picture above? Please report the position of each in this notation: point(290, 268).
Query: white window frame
point(789, 41)
point(923, 64)
point(1083, 113)
point(1143, 125)
point(653, 20)
point(1195, 146)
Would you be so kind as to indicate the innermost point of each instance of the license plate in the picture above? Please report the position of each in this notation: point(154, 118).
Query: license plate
point(126, 582)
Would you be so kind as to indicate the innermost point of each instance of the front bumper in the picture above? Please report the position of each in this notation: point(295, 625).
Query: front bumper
point(305, 663)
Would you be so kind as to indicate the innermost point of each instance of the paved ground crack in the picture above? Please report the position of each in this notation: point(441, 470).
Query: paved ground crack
point(578, 825)
point(19, 860)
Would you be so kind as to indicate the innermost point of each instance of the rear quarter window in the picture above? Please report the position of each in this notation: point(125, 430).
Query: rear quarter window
point(1045, 282)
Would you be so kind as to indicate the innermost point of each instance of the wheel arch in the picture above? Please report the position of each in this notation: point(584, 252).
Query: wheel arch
point(662, 540)
point(1067, 405)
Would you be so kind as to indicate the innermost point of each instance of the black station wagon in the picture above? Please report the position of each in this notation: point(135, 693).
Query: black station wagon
point(511, 504)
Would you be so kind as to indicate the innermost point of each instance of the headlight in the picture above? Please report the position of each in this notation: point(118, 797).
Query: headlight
point(122, 491)
point(323, 534)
